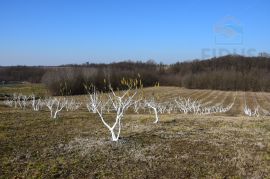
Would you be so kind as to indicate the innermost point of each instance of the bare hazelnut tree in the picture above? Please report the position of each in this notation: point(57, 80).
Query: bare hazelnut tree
point(120, 102)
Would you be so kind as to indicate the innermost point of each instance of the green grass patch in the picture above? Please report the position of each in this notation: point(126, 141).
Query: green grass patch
point(27, 89)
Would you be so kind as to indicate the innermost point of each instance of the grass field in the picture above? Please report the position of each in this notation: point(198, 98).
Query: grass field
point(77, 145)
point(27, 89)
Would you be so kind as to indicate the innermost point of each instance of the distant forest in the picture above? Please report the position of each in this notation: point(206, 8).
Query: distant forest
point(222, 73)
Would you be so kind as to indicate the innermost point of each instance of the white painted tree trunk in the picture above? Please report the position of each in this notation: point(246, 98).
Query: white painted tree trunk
point(119, 103)
point(55, 106)
point(153, 105)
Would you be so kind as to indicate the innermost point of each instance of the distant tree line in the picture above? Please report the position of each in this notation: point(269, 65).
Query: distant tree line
point(73, 78)
point(226, 73)
point(22, 73)
point(223, 73)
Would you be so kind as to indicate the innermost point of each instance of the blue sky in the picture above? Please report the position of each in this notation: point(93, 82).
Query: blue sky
point(53, 32)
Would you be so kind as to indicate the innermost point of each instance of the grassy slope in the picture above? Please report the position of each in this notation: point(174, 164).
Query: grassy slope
point(180, 146)
point(27, 89)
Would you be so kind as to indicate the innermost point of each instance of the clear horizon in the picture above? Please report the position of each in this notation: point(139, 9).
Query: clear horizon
point(102, 31)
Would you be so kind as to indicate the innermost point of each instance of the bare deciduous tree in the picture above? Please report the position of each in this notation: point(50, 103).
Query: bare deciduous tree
point(55, 105)
point(120, 101)
point(154, 106)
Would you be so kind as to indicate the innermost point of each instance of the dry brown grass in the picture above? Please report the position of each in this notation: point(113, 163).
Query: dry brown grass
point(77, 145)
point(180, 146)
